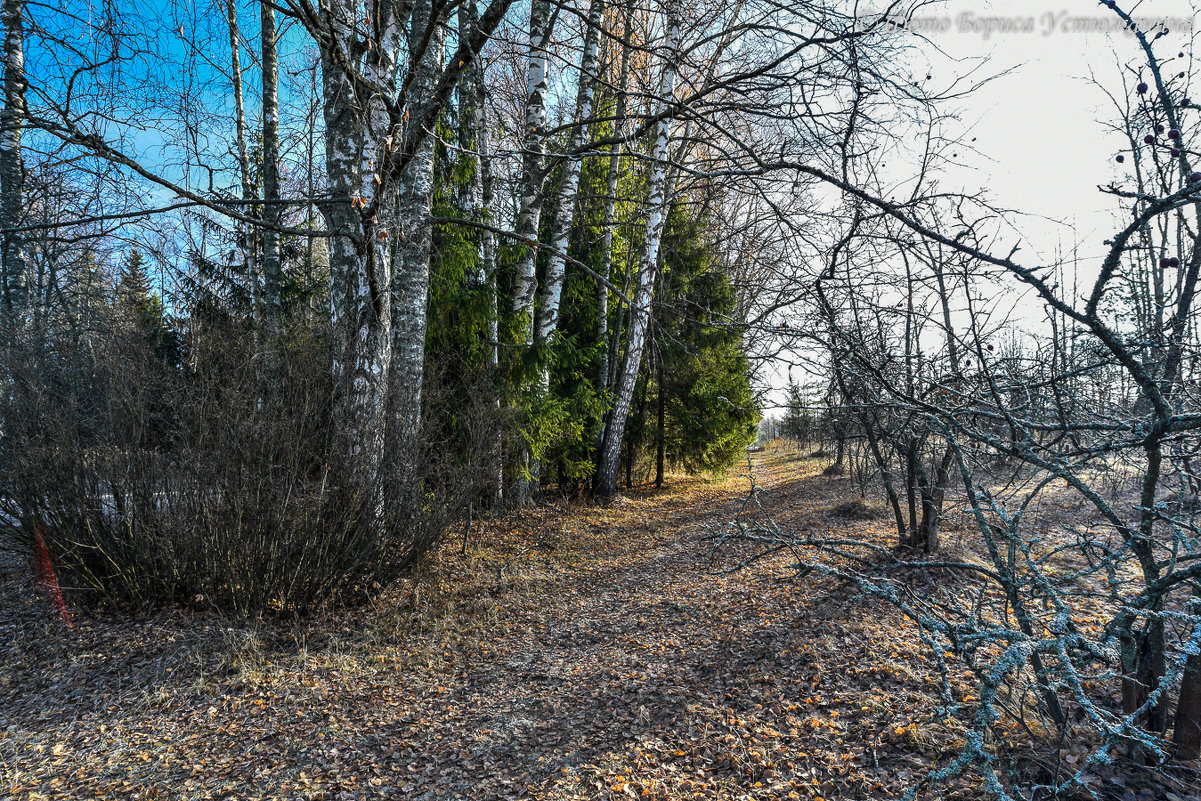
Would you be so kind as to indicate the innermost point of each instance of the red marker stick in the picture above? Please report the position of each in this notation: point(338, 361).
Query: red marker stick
point(45, 575)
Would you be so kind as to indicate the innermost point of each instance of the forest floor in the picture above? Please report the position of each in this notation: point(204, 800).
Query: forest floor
point(579, 651)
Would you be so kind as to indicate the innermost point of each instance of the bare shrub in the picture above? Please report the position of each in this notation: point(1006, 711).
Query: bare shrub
point(856, 509)
point(207, 482)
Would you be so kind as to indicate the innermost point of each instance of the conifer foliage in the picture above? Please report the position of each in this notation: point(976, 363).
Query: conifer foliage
point(384, 315)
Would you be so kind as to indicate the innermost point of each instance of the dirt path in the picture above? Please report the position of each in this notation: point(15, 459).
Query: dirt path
point(579, 653)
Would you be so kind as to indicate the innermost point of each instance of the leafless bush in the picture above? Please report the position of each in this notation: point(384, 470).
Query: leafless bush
point(855, 509)
point(208, 482)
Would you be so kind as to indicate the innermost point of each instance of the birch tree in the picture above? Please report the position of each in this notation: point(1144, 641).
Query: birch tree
point(272, 261)
point(375, 126)
point(657, 202)
point(533, 158)
point(608, 216)
point(15, 406)
point(246, 234)
point(410, 286)
point(12, 168)
point(357, 124)
point(552, 288)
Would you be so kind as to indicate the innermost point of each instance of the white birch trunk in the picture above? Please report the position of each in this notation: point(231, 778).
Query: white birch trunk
point(488, 247)
point(12, 168)
point(657, 202)
point(410, 286)
point(533, 168)
point(272, 266)
point(245, 236)
point(477, 196)
point(470, 130)
point(373, 132)
point(529, 215)
point(487, 238)
point(18, 370)
point(360, 254)
point(552, 290)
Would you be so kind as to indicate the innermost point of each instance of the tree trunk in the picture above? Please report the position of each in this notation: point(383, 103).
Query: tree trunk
point(655, 221)
point(629, 466)
point(533, 175)
point(360, 254)
point(479, 202)
point(310, 178)
point(631, 452)
point(886, 478)
point(12, 167)
point(552, 290)
point(1187, 735)
point(660, 421)
point(272, 266)
point(488, 253)
point(911, 490)
point(608, 218)
point(18, 368)
point(246, 235)
point(932, 501)
point(840, 443)
point(410, 286)
point(1143, 664)
point(533, 168)
point(473, 139)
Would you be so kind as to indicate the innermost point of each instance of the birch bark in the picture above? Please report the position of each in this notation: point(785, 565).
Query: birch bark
point(657, 200)
point(487, 239)
point(529, 215)
point(245, 236)
point(363, 213)
point(533, 168)
point(12, 168)
point(410, 286)
point(18, 366)
point(375, 127)
point(552, 289)
point(477, 194)
point(272, 265)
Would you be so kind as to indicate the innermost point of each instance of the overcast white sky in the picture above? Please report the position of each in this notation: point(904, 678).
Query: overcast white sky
point(1042, 143)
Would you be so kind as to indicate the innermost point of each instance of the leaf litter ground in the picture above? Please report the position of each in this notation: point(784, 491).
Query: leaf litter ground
point(584, 652)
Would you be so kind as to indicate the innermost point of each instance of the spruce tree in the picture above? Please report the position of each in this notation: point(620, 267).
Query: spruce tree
point(709, 411)
point(144, 310)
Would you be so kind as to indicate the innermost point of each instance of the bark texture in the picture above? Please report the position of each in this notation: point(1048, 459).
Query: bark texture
point(552, 289)
point(657, 200)
point(363, 213)
point(533, 166)
point(477, 200)
point(12, 167)
point(410, 287)
point(272, 264)
point(245, 233)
